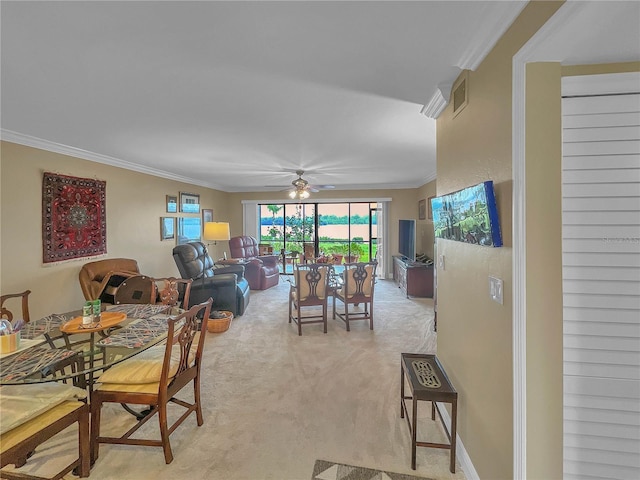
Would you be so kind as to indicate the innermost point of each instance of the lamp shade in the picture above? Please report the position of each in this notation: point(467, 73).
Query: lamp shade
point(216, 231)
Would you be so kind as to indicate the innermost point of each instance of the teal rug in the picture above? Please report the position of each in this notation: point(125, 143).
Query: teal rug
point(324, 470)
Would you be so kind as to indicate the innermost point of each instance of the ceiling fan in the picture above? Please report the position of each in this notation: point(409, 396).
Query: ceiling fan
point(302, 188)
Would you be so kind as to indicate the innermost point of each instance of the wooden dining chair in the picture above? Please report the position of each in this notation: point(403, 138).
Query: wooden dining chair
point(154, 378)
point(135, 289)
point(310, 288)
point(359, 280)
point(173, 291)
point(32, 414)
point(8, 314)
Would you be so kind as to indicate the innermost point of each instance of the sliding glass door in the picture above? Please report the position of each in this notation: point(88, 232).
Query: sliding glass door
point(334, 232)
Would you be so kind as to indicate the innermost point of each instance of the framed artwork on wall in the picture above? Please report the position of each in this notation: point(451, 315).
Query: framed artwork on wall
point(422, 209)
point(430, 208)
point(207, 215)
point(189, 202)
point(167, 228)
point(189, 229)
point(172, 204)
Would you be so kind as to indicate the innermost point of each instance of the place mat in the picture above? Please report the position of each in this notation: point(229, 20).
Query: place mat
point(325, 470)
point(30, 361)
point(36, 328)
point(137, 334)
point(134, 310)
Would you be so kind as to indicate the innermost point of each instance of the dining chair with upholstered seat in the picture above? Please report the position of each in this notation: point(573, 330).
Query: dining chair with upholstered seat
point(154, 378)
point(32, 414)
point(310, 288)
point(359, 280)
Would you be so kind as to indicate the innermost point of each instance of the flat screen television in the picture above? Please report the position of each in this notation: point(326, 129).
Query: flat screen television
point(469, 215)
point(407, 239)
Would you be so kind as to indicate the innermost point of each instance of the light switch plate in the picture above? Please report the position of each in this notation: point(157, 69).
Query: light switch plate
point(441, 262)
point(495, 289)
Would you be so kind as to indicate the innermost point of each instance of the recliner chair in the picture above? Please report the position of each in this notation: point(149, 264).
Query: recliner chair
point(101, 279)
point(226, 285)
point(261, 270)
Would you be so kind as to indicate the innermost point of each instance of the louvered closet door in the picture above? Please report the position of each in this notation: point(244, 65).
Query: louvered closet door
point(601, 281)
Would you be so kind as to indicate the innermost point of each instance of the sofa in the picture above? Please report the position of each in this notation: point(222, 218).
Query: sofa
point(101, 279)
point(261, 271)
point(227, 285)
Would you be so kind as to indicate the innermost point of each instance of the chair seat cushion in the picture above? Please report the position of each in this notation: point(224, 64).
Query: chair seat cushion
point(146, 367)
point(21, 403)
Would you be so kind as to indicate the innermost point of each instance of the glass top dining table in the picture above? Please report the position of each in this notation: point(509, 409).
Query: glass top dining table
point(47, 353)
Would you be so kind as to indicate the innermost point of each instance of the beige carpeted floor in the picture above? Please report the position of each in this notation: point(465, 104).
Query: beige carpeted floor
point(275, 402)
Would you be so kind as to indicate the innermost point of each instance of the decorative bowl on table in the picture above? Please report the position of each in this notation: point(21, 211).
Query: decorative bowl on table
point(219, 321)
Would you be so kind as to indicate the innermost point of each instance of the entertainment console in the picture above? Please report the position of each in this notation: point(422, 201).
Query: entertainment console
point(414, 278)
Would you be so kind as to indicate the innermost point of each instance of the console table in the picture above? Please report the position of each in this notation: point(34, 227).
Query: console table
point(427, 381)
point(414, 278)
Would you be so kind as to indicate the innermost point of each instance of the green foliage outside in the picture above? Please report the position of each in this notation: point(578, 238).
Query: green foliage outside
point(299, 230)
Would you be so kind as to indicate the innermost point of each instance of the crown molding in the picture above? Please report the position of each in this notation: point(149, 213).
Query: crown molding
point(438, 102)
point(488, 32)
point(30, 141)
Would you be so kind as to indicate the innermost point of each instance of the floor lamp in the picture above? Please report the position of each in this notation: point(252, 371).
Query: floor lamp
point(214, 231)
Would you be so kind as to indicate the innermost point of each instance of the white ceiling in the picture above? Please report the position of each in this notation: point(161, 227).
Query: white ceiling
point(238, 95)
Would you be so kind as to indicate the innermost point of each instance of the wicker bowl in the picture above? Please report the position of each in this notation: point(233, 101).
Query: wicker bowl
point(219, 325)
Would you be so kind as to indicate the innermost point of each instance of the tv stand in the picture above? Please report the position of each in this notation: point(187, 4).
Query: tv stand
point(414, 278)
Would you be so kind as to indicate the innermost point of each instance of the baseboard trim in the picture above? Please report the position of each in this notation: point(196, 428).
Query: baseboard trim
point(461, 453)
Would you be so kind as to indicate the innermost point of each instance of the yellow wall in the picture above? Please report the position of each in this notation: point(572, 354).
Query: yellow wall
point(135, 203)
point(475, 333)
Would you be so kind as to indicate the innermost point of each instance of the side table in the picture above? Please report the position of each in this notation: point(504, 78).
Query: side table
point(428, 381)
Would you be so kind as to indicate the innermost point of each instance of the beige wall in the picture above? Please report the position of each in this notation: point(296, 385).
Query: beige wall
point(135, 203)
point(543, 151)
point(475, 333)
point(424, 235)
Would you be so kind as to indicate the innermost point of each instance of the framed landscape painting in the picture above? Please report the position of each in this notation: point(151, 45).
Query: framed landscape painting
point(189, 229)
point(167, 228)
point(189, 202)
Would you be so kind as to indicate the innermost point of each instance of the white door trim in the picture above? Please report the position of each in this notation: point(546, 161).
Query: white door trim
point(526, 54)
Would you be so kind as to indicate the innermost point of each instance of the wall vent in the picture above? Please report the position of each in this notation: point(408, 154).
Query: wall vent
point(460, 94)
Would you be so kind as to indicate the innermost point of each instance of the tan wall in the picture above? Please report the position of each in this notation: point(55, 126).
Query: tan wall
point(544, 270)
point(600, 68)
point(425, 237)
point(475, 333)
point(135, 203)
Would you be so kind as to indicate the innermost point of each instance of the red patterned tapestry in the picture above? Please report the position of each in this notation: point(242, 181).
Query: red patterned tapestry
point(73, 218)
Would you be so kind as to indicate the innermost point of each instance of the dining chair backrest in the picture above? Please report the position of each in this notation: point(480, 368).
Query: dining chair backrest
point(172, 291)
point(183, 329)
point(359, 280)
point(311, 281)
point(136, 289)
point(8, 314)
point(309, 252)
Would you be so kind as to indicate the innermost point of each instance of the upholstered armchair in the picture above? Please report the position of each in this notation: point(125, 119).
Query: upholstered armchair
point(261, 270)
point(226, 285)
point(100, 279)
